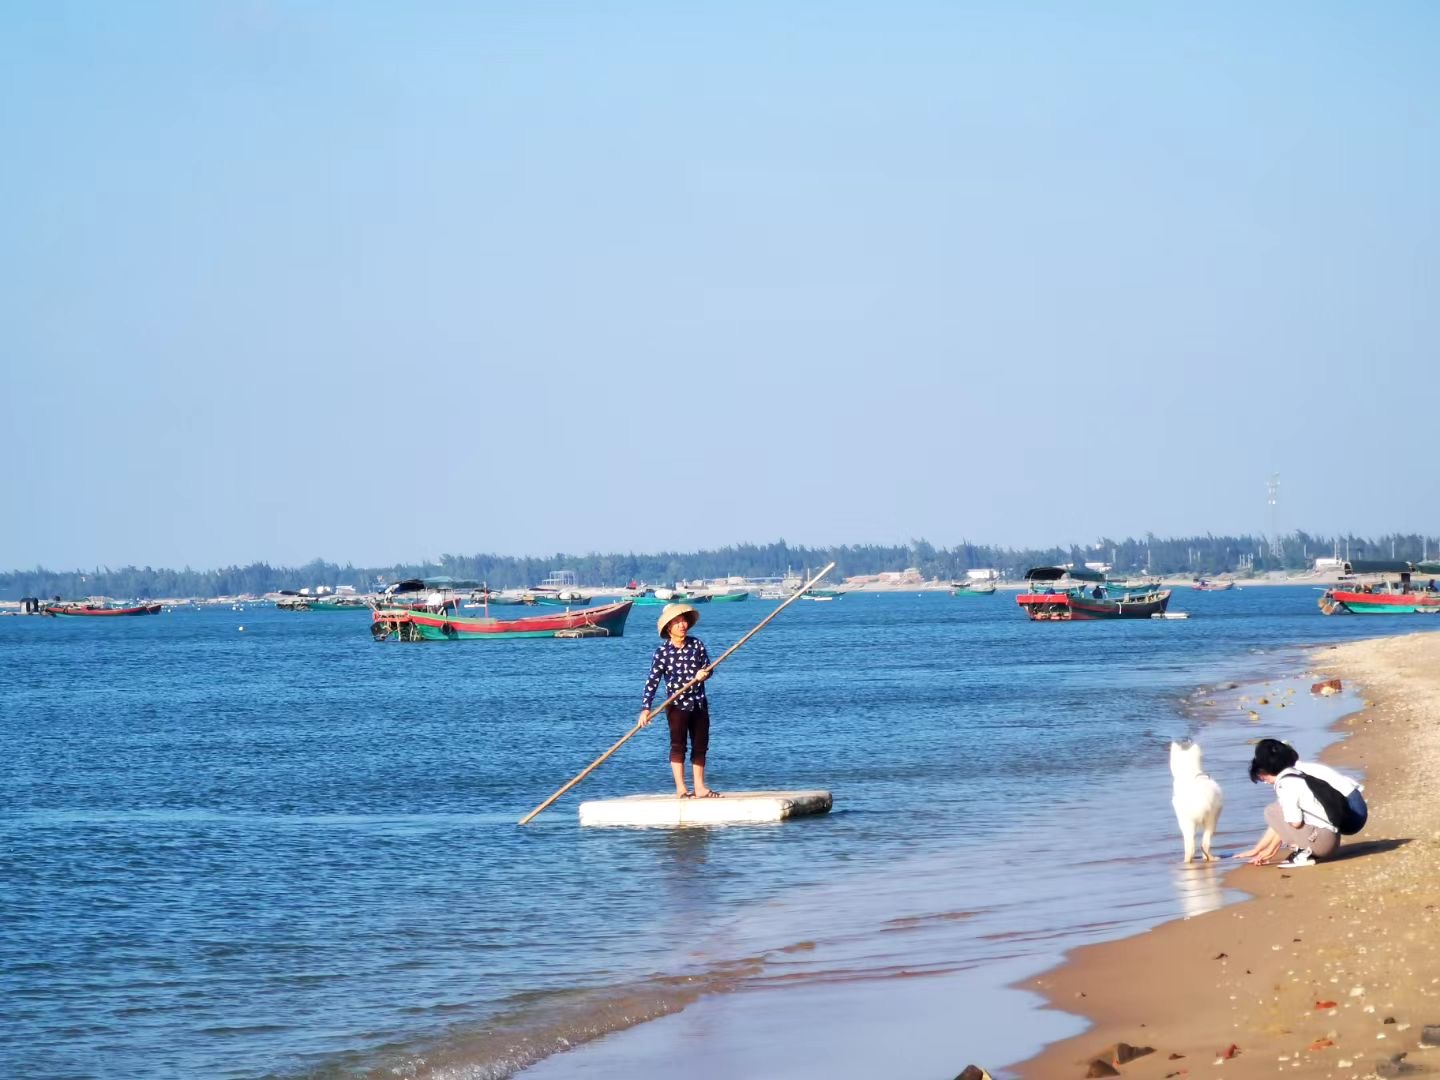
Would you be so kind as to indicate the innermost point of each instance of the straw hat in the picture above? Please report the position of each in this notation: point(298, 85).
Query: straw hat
point(673, 612)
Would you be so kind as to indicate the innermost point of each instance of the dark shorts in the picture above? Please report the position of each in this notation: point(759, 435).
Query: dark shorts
point(694, 723)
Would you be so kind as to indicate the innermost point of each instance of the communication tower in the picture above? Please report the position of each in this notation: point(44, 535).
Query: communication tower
point(1277, 546)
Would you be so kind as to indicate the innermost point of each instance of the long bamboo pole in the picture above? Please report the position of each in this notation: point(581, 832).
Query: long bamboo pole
point(661, 707)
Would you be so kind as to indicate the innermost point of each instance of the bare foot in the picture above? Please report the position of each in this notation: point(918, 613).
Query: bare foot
point(707, 793)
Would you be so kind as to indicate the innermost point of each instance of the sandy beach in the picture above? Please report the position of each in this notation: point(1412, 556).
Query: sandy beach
point(1329, 971)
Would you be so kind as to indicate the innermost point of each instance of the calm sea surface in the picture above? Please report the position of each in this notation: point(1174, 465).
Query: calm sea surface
point(290, 851)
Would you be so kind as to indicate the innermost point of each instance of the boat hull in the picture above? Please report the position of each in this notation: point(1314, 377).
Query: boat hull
point(88, 612)
point(409, 625)
point(1073, 607)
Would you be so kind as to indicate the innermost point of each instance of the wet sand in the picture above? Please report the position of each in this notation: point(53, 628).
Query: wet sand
point(1331, 970)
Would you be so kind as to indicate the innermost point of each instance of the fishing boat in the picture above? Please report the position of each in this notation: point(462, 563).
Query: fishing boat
point(732, 597)
point(1067, 594)
point(672, 596)
point(437, 595)
point(568, 598)
point(1388, 590)
point(972, 588)
point(93, 607)
point(489, 598)
point(411, 624)
point(1201, 585)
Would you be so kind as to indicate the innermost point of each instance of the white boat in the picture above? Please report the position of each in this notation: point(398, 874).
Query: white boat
point(1171, 615)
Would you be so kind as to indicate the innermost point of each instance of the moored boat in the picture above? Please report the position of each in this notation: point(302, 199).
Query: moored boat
point(501, 599)
point(1066, 594)
point(88, 608)
point(972, 588)
point(730, 597)
point(1388, 591)
point(672, 596)
point(561, 600)
point(1201, 585)
point(408, 624)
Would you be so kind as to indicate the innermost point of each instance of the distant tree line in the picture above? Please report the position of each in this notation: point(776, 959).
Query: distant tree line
point(1195, 555)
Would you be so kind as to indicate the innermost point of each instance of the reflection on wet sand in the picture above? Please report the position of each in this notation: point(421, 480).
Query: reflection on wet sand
point(1198, 887)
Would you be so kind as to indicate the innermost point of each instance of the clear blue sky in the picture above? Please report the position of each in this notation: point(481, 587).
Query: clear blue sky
point(378, 281)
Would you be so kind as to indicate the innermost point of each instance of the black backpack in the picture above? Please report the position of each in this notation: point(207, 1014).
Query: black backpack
point(1336, 806)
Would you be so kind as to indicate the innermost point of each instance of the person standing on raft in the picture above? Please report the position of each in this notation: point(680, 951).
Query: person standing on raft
point(680, 659)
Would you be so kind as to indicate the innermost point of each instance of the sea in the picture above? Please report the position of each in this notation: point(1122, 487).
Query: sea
point(255, 843)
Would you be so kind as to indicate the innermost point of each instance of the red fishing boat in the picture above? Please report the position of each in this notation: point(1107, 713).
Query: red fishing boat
point(1066, 594)
point(412, 624)
point(90, 608)
point(1388, 590)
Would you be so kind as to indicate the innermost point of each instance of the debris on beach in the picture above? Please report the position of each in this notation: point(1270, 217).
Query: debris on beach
point(1122, 1053)
point(1327, 687)
point(973, 1072)
point(1397, 1066)
point(1099, 1067)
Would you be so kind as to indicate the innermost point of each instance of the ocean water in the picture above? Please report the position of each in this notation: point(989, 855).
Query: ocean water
point(289, 851)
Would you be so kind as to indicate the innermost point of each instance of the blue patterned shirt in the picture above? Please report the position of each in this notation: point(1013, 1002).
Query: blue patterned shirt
point(678, 666)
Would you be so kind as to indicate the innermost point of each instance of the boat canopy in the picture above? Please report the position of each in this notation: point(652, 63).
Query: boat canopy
point(429, 584)
point(1055, 573)
point(1431, 568)
point(1377, 566)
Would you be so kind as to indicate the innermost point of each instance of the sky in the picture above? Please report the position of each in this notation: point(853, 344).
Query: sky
point(373, 282)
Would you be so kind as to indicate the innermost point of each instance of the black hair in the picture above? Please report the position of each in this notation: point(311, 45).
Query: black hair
point(1272, 757)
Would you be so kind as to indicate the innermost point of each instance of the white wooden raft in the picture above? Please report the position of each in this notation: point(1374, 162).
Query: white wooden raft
point(735, 808)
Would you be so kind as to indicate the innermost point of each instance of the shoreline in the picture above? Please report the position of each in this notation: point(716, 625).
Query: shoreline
point(998, 988)
point(1360, 931)
point(1182, 583)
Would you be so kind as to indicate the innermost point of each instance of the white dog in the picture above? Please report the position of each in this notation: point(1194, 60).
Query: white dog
point(1197, 798)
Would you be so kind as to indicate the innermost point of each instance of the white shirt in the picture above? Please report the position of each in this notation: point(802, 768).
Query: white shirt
point(1298, 803)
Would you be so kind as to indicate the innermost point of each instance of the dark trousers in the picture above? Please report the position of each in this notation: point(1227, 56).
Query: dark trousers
point(694, 723)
